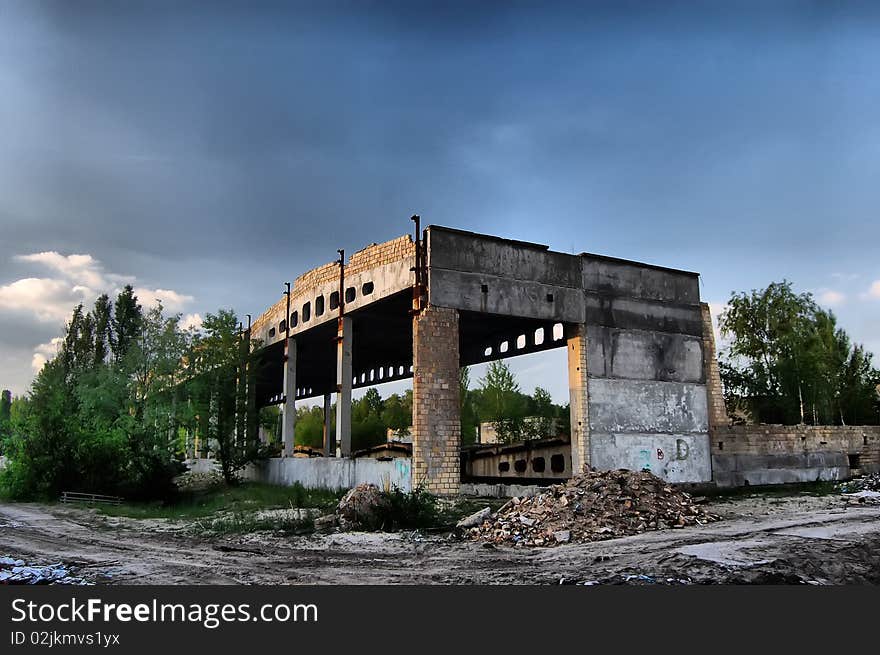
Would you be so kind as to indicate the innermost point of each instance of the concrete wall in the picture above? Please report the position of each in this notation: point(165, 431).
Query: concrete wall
point(780, 454)
point(323, 472)
point(648, 405)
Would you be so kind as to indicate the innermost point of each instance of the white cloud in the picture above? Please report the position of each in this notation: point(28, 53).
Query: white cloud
point(191, 321)
point(74, 279)
point(873, 290)
point(44, 352)
point(847, 277)
point(172, 301)
point(831, 297)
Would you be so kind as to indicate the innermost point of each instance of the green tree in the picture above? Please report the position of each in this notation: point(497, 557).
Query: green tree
point(5, 415)
point(102, 318)
point(397, 413)
point(543, 415)
point(502, 402)
point(469, 419)
point(126, 323)
point(788, 362)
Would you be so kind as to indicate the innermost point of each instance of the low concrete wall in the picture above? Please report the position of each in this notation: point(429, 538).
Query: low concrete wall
point(323, 473)
point(780, 454)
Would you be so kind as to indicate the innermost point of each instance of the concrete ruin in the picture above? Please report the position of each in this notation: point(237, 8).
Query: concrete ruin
point(638, 355)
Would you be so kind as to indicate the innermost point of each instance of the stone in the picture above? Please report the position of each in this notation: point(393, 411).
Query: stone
point(475, 519)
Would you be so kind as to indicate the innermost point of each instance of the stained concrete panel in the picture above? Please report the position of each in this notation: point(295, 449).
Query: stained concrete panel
point(504, 296)
point(620, 278)
point(647, 406)
point(644, 355)
point(475, 253)
point(740, 469)
point(639, 314)
point(674, 457)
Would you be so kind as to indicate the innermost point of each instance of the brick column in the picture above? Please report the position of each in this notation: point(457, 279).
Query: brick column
point(436, 405)
point(715, 397)
point(579, 397)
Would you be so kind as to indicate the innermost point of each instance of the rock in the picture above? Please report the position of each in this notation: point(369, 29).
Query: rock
point(475, 519)
point(562, 536)
point(327, 522)
point(362, 507)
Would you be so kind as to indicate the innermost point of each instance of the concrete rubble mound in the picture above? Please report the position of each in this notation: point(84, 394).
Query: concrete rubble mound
point(17, 572)
point(361, 507)
point(864, 483)
point(592, 506)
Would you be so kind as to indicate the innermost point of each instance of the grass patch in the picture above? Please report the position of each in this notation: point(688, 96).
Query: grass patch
point(244, 523)
point(241, 499)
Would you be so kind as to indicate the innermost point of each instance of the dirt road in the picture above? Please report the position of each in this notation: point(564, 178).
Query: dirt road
point(796, 539)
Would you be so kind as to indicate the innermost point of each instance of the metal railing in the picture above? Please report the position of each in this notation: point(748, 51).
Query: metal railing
point(77, 497)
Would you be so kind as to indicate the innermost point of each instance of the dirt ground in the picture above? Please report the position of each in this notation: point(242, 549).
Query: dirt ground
point(763, 539)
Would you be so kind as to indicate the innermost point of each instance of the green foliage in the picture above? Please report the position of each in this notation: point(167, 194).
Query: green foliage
point(367, 427)
point(5, 416)
point(401, 510)
point(789, 363)
point(503, 403)
point(397, 413)
point(310, 426)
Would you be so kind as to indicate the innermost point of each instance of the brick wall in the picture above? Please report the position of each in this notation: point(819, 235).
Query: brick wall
point(773, 454)
point(373, 256)
point(436, 405)
point(715, 397)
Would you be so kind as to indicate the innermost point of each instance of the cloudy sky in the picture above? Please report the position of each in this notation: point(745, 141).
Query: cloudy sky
point(208, 152)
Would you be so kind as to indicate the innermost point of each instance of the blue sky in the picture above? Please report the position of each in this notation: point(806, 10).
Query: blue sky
point(209, 152)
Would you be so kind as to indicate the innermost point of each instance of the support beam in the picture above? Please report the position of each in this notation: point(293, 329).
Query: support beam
point(288, 416)
point(329, 442)
point(436, 404)
point(343, 385)
point(578, 391)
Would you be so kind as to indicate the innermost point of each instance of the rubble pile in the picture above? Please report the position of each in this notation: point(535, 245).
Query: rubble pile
point(361, 507)
point(864, 483)
point(593, 506)
point(15, 571)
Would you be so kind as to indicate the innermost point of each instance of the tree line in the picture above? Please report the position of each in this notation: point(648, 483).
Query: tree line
point(497, 400)
point(788, 362)
point(112, 411)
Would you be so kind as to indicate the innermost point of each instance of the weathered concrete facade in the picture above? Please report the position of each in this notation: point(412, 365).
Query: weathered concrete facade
point(634, 335)
point(780, 454)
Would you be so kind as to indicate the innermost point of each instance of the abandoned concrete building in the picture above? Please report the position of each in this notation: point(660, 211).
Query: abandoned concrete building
point(424, 307)
point(644, 386)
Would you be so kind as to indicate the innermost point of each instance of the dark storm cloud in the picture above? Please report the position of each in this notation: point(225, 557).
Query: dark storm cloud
point(220, 148)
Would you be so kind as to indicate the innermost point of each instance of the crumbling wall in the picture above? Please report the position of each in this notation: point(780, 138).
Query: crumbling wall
point(714, 392)
point(780, 454)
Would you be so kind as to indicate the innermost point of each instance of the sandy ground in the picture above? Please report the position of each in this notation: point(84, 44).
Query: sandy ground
point(766, 539)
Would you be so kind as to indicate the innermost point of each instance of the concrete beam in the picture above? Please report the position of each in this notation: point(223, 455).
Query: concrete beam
point(343, 385)
point(288, 416)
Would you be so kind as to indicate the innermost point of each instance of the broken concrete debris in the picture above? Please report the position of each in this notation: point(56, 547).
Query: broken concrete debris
point(864, 483)
point(475, 519)
point(15, 571)
point(361, 507)
point(592, 506)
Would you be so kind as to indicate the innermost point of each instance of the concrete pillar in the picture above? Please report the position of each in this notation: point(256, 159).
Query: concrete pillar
point(579, 397)
point(329, 443)
point(343, 386)
point(436, 459)
point(288, 415)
